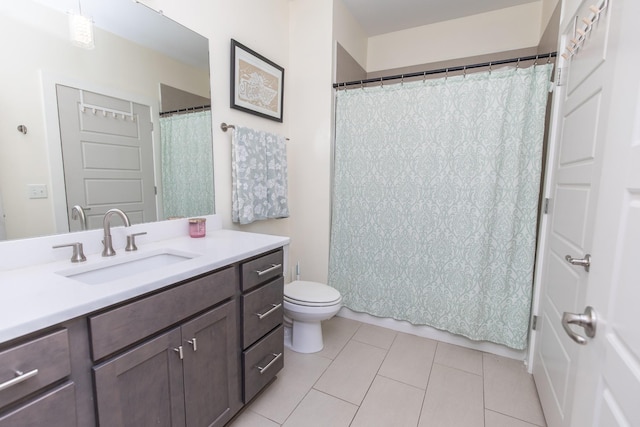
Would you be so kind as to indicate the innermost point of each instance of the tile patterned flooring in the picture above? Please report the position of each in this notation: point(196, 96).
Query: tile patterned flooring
point(368, 376)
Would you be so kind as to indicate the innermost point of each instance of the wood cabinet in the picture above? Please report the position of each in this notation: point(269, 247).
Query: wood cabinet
point(35, 389)
point(185, 376)
point(262, 284)
point(187, 355)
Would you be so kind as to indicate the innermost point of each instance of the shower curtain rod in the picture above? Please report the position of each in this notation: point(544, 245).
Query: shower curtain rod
point(548, 56)
point(185, 110)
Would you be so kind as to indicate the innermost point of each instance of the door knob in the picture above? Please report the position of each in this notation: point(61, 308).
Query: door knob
point(586, 320)
point(584, 262)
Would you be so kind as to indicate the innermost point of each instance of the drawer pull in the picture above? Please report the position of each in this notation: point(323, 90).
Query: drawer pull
point(179, 351)
point(262, 370)
point(273, 308)
point(20, 377)
point(268, 270)
point(194, 343)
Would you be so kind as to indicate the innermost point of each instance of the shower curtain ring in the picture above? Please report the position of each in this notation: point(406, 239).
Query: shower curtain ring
point(361, 85)
point(549, 59)
point(402, 80)
point(381, 82)
point(490, 67)
point(518, 64)
point(464, 72)
point(424, 77)
point(536, 61)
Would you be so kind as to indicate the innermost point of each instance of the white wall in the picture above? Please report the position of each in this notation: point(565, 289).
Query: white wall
point(263, 26)
point(311, 118)
point(348, 32)
point(548, 6)
point(501, 30)
point(295, 34)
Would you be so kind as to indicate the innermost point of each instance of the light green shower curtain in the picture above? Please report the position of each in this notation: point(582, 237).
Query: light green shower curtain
point(187, 164)
point(435, 201)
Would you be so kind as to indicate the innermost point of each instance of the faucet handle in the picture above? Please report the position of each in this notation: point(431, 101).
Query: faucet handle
point(131, 241)
point(78, 254)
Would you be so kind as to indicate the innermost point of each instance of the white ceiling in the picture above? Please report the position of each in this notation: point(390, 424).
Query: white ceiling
point(385, 16)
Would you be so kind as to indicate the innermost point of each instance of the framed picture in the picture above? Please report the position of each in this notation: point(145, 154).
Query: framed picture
point(257, 84)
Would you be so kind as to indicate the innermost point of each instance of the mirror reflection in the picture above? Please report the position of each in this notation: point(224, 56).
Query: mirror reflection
point(123, 121)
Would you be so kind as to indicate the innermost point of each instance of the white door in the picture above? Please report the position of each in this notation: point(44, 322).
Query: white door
point(107, 154)
point(607, 389)
point(584, 385)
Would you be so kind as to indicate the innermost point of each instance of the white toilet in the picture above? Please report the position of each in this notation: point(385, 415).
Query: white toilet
point(306, 304)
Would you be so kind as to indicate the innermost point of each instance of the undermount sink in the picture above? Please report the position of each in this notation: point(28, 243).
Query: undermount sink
point(115, 269)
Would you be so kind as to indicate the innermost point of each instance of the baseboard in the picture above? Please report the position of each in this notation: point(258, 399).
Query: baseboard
point(433, 333)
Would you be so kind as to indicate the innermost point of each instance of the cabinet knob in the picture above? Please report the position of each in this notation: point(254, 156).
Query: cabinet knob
point(194, 343)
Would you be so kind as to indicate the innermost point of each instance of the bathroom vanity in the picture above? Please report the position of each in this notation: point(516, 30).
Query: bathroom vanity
point(185, 344)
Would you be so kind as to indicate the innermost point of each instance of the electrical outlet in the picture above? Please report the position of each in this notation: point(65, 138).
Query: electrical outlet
point(37, 191)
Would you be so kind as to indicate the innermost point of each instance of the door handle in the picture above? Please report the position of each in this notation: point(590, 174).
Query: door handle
point(586, 320)
point(583, 262)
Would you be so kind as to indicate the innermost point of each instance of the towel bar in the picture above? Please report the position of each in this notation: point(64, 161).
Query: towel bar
point(226, 127)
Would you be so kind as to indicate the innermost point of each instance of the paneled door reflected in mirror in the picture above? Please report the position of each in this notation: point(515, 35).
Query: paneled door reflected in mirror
point(107, 152)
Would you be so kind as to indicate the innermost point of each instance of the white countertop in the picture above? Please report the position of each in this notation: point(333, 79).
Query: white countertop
point(36, 297)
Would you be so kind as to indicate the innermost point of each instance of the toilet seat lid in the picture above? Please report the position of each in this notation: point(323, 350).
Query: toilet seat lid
point(311, 292)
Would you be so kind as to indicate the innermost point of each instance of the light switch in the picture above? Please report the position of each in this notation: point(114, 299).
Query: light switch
point(37, 191)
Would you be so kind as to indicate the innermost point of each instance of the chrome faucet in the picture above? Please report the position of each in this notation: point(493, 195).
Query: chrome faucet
point(108, 246)
point(77, 212)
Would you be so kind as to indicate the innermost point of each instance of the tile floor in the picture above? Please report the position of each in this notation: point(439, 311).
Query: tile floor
point(369, 376)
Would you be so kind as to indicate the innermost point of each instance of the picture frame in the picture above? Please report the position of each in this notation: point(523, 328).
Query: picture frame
point(257, 84)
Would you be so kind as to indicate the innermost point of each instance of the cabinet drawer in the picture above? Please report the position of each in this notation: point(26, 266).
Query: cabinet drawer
point(262, 311)
point(262, 362)
point(261, 270)
point(42, 361)
point(54, 409)
point(123, 326)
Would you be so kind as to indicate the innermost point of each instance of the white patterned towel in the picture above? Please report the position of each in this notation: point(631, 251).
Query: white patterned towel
point(259, 175)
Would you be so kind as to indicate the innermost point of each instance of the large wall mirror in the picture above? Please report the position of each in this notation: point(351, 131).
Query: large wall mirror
point(124, 124)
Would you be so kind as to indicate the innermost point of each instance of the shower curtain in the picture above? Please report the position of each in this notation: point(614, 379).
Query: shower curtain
point(435, 201)
point(186, 153)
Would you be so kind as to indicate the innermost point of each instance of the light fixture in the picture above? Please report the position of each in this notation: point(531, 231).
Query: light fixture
point(81, 29)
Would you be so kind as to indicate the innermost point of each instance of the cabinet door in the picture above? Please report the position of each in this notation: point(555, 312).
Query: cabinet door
point(142, 387)
point(54, 409)
point(211, 367)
